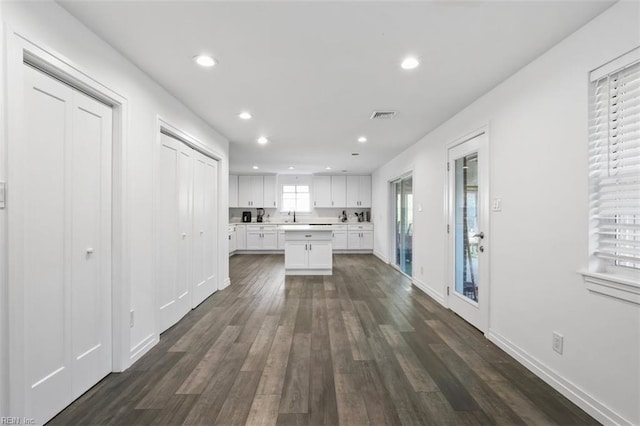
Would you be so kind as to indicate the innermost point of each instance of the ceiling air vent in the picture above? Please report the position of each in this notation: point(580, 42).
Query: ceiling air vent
point(383, 115)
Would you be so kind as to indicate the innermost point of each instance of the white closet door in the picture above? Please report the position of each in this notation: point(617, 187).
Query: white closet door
point(64, 172)
point(90, 242)
point(174, 230)
point(185, 223)
point(199, 232)
point(205, 222)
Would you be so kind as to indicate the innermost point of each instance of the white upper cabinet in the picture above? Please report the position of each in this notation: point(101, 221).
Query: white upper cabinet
point(358, 191)
point(270, 192)
point(322, 191)
point(338, 191)
point(233, 191)
point(250, 191)
point(329, 191)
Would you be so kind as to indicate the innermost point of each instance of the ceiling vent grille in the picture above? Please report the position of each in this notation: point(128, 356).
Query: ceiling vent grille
point(383, 115)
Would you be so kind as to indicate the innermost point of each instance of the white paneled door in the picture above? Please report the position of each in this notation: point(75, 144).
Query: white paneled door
point(187, 229)
point(205, 226)
point(61, 249)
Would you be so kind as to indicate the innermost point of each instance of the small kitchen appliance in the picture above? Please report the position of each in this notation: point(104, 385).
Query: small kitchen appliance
point(260, 214)
point(246, 217)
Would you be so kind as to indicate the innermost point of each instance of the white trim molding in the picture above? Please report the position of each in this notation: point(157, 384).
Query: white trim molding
point(381, 256)
point(612, 285)
point(429, 291)
point(570, 390)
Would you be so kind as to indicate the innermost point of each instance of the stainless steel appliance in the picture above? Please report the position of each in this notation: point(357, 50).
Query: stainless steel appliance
point(260, 215)
point(246, 217)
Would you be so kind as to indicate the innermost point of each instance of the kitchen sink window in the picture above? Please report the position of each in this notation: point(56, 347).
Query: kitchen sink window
point(296, 198)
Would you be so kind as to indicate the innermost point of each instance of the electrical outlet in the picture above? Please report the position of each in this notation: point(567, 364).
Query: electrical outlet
point(131, 319)
point(558, 341)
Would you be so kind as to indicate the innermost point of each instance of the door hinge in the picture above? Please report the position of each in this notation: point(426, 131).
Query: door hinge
point(447, 290)
point(3, 195)
point(447, 166)
point(448, 228)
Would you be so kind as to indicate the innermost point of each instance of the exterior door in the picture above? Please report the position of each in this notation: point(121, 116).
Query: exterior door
point(60, 221)
point(403, 224)
point(468, 230)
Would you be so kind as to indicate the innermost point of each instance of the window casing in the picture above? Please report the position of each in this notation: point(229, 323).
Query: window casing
point(614, 172)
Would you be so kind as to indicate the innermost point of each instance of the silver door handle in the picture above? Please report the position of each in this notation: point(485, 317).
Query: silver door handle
point(479, 235)
point(89, 250)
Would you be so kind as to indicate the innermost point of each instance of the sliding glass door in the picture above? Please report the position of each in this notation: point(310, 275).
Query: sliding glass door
point(403, 223)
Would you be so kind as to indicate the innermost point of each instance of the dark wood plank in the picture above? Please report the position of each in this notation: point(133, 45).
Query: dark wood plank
point(362, 346)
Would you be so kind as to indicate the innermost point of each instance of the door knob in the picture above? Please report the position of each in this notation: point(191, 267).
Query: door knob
point(481, 248)
point(479, 235)
point(89, 250)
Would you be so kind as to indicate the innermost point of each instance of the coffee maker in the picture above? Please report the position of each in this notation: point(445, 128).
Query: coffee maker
point(260, 214)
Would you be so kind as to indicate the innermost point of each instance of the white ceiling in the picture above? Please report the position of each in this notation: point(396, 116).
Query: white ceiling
point(312, 72)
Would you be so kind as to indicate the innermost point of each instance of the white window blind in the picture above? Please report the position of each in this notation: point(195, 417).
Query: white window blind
point(614, 168)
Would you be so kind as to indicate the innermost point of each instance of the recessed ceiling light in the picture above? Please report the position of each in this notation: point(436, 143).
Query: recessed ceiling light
point(362, 139)
point(245, 115)
point(327, 168)
point(409, 63)
point(291, 168)
point(204, 60)
point(262, 140)
point(255, 167)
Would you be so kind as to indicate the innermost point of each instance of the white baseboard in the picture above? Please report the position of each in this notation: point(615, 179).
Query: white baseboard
point(227, 283)
point(143, 347)
point(438, 297)
point(381, 256)
point(571, 391)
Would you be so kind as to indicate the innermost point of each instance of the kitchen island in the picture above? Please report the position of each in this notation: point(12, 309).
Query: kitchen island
point(308, 249)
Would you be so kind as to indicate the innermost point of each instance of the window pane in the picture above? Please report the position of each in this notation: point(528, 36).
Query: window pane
point(303, 202)
point(303, 188)
point(289, 188)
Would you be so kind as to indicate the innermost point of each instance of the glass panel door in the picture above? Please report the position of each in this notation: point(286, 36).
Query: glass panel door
point(466, 226)
point(468, 220)
point(403, 191)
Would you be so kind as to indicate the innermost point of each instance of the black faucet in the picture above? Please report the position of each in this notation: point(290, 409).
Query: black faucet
point(294, 216)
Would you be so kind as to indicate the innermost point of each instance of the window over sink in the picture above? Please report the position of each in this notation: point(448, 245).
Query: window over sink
point(296, 198)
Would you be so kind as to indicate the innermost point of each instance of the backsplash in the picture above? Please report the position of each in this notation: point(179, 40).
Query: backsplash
point(320, 215)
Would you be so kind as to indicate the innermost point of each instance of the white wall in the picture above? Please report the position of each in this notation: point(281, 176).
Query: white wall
point(538, 142)
point(51, 27)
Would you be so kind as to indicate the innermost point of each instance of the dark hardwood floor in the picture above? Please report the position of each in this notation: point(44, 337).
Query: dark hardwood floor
point(359, 347)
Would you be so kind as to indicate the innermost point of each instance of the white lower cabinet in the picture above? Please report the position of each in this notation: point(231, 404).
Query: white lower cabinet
point(308, 255)
point(307, 251)
point(232, 239)
point(241, 237)
point(280, 240)
point(360, 237)
point(262, 237)
point(340, 241)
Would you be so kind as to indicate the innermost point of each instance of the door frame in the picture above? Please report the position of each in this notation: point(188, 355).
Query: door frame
point(485, 224)
point(163, 125)
point(392, 217)
point(21, 48)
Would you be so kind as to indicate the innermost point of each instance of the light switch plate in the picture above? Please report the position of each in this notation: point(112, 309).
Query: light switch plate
point(496, 204)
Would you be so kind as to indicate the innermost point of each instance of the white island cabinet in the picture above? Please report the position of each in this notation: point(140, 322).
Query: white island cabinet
point(308, 250)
